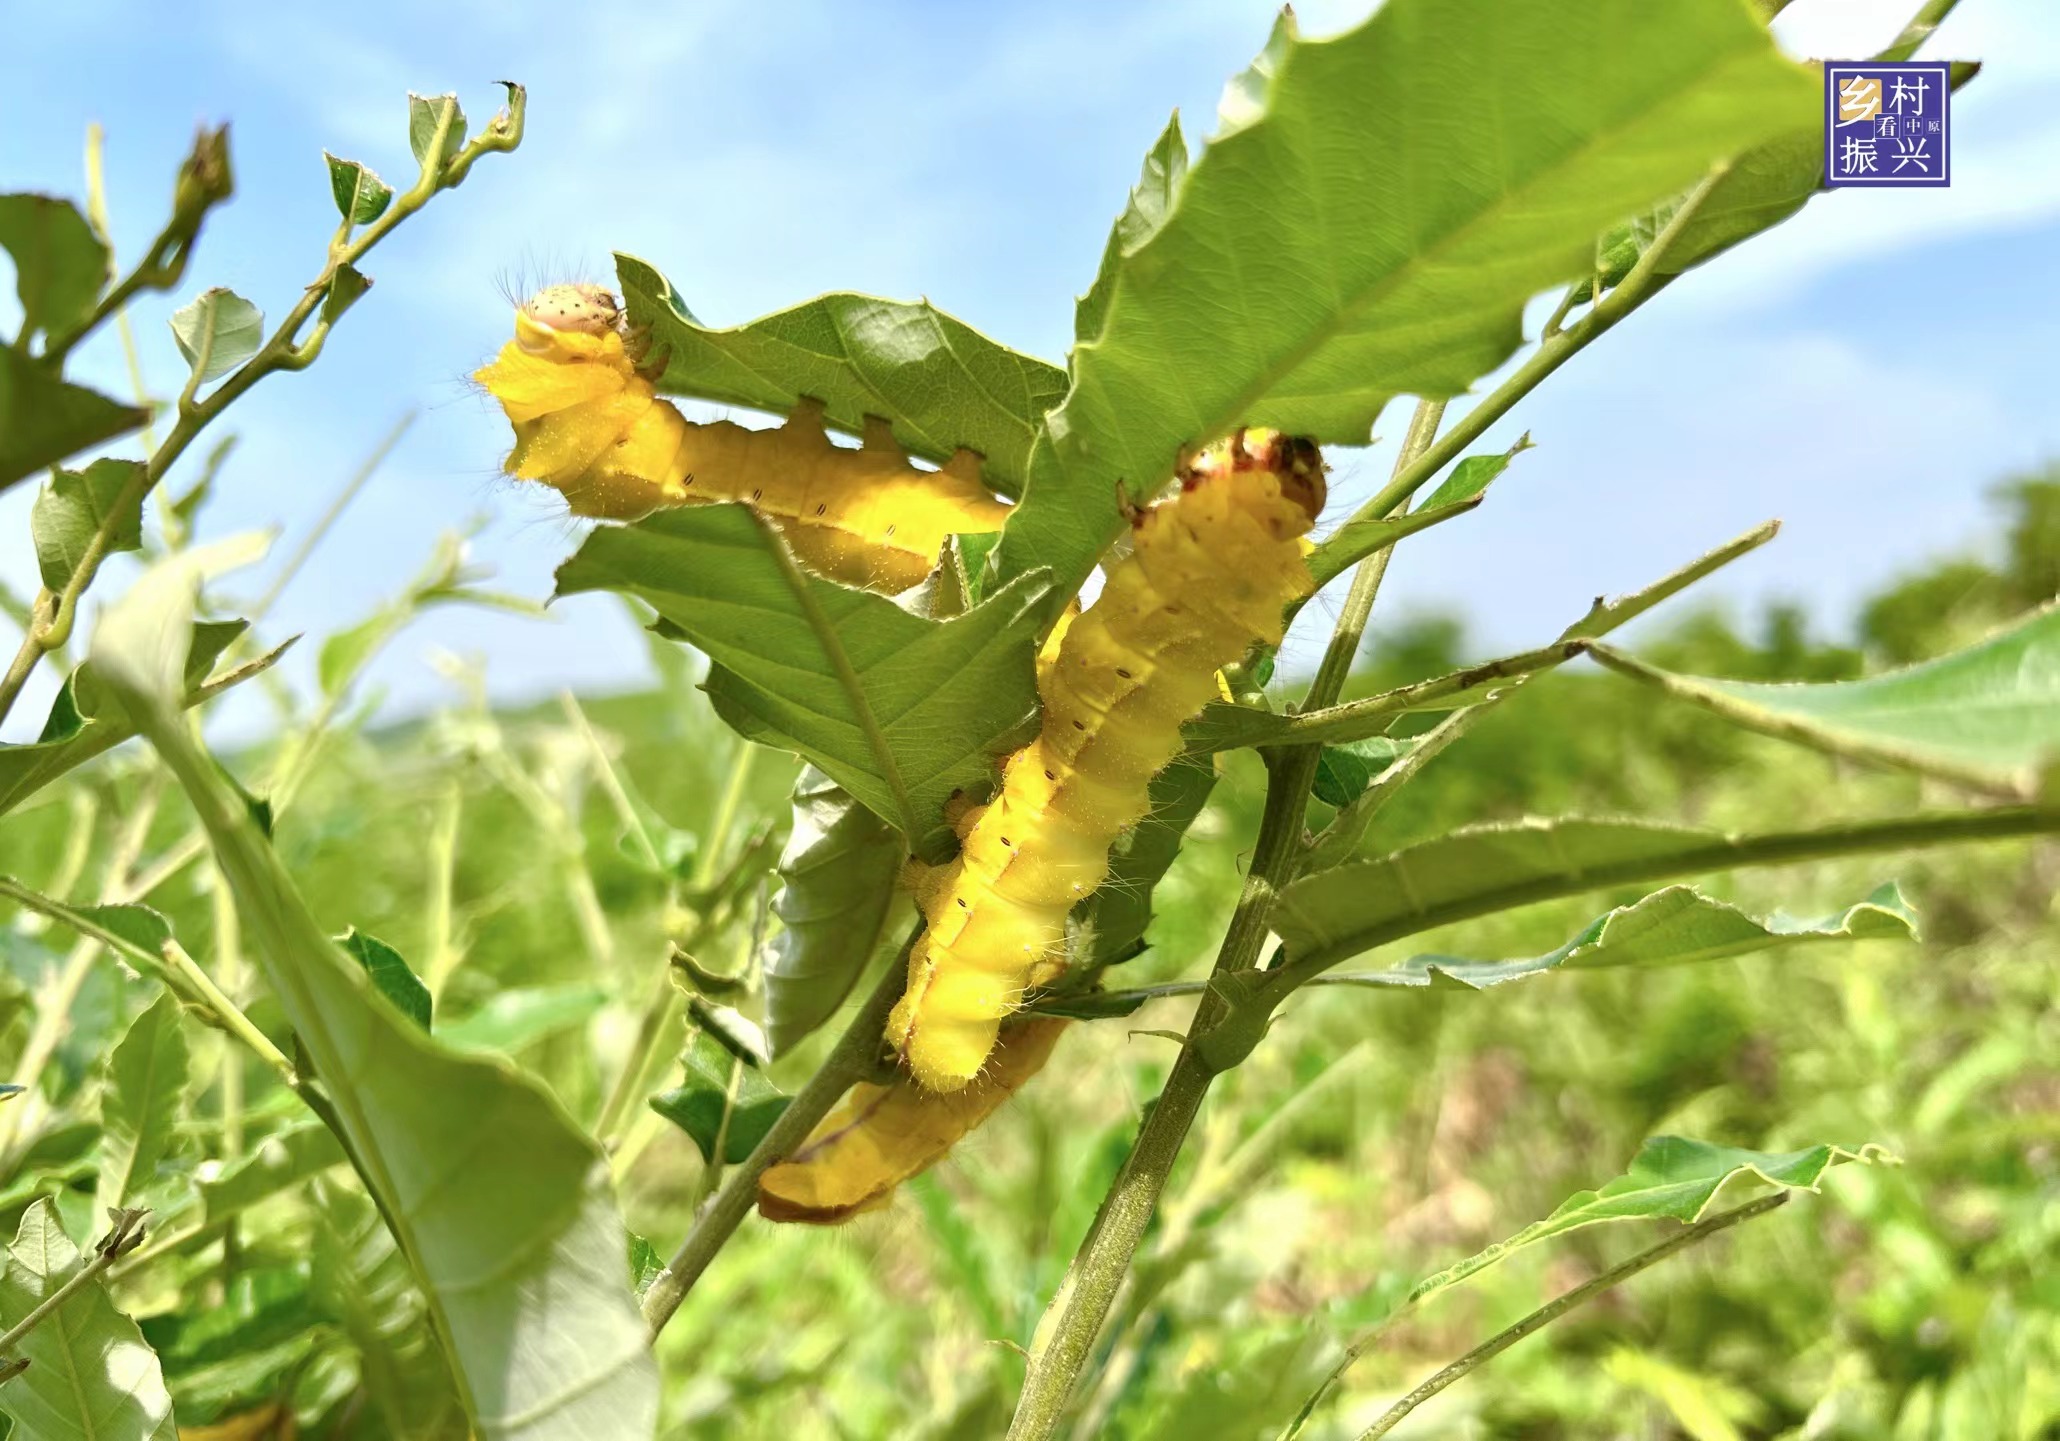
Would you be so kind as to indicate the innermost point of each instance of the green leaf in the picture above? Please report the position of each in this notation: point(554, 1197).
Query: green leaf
point(837, 876)
point(1343, 771)
point(645, 1264)
point(511, 1020)
point(1763, 187)
point(361, 196)
point(72, 507)
point(899, 710)
point(45, 420)
point(1121, 906)
point(278, 1163)
point(347, 285)
point(141, 1101)
point(1332, 915)
point(943, 384)
point(390, 974)
point(60, 266)
point(1372, 222)
point(499, 1202)
point(1151, 201)
point(1473, 475)
point(1675, 926)
point(218, 332)
point(1671, 1178)
point(1987, 716)
point(424, 115)
point(698, 1104)
point(139, 925)
point(91, 1376)
point(76, 731)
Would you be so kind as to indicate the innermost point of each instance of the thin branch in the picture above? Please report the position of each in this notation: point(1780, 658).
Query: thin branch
point(284, 350)
point(850, 1060)
point(1066, 1335)
point(1552, 1310)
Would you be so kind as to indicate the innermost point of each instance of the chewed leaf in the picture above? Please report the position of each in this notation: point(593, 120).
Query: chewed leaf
point(1671, 927)
point(942, 384)
point(1672, 1178)
point(361, 196)
point(1987, 716)
point(1373, 221)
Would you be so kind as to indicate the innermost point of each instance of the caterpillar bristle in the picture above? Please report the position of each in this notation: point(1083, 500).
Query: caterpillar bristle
point(1207, 577)
point(589, 423)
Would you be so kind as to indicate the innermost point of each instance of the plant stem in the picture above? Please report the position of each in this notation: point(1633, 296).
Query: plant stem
point(1552, 1310)
point(54, 1005)
point(664, 997)
point(1067, 1333)
point(283, 350)
point(118, 1244)
point(850, 1060)
point(1641, 284)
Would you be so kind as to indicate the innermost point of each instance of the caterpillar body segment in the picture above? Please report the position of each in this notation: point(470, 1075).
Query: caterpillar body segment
point(881, 1135)
point(592, 427)
point(1207, 577)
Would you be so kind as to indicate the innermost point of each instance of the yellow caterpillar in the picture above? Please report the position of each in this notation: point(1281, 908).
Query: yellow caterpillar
point(882, 1135)
point(591, 427)
point(1207, 576)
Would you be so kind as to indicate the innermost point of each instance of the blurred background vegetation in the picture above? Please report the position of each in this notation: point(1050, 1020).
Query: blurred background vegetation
point(1380, 1137)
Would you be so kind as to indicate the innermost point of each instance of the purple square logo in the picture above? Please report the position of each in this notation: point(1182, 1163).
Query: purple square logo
point(1886, 124)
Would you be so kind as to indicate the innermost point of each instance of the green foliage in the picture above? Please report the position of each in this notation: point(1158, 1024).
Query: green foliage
point(1372, 220)
point(90, 1375)
point(361, 196)
point(217, 332)
point(44, 420)
point(898, 710)
point(491, 1189)
point(837, 877)
point(1394, 212)
point(1987, 716)
point(723, 1102)
point(943, 384)
point(60, 265)
point(78, 503)
point(1671, 1178)
point(140, 1105)
point(390, 973)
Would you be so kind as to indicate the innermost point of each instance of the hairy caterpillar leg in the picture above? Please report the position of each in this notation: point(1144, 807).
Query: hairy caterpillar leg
point(879, 1136)
point(1207, 577)
point(592, 427)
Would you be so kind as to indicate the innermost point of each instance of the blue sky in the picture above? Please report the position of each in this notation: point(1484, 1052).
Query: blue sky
point(1865, 372)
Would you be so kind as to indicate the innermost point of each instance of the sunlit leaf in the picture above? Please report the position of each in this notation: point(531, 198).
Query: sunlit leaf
point(1987, 716)
point(91, 1376)
point(1372, 222)
point(899, 710)
point(141, 1101)
point(943, 384)
point(218, 332)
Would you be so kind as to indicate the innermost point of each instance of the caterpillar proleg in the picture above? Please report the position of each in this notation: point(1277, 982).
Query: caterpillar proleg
point(1207, 576)
point(881, 1135)
point(592, 427)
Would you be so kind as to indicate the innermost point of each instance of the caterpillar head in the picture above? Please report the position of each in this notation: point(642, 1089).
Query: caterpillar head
point(1294, 464)
point(567, 321)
